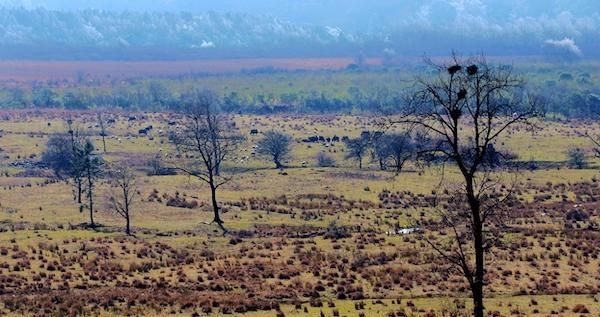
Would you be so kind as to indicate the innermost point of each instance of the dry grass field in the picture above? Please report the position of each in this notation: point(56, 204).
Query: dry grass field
point(25, 71)
point(306, 241)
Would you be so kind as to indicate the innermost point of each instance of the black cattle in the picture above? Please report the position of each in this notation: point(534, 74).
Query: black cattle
point(254, 131)
point(143, 132)
point(171, 123)
point(132, 118)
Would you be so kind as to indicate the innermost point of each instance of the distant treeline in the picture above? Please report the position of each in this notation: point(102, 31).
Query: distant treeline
point(566, 94)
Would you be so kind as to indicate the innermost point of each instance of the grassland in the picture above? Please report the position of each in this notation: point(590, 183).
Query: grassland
point(282, 257)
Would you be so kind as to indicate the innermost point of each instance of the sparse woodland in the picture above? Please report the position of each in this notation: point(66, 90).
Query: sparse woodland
point(467, 200)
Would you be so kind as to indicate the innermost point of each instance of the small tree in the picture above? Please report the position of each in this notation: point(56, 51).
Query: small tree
point(204, 142)
point(92, 170)
point(401, 149)
point(275, 145)
point(380, 151)
point(357, 149)
point(76, 142)
point(103, 133)
point(59, 155)
point(64, 155)
point(123, 195)
point(577, 158)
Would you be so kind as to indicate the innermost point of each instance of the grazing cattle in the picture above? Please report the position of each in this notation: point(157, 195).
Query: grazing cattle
point(143, 132)
point(132, 118)
point(111, 121)
point(311, 139)
point(172, 123)
point(254, 131)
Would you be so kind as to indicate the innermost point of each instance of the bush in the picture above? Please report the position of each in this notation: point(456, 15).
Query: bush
point(581, 309)
point(577, 158)
point(324, 160)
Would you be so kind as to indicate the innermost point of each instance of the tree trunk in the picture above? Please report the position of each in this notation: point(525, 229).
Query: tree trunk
point(479, 270)
point(103, 141)
point(127, 226)
point(477, 290)
point(92, 212)
point(278, 164)
point(360, 163)
point(91, 197)
point(477, 286)
point(217, 217)
point(79, 190)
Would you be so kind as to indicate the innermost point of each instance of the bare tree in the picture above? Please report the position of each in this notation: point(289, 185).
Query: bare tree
point(466, 107)
point(204, 142)
point(401, 150)
point(102, 125)
point(380, 151)
point(123, 195)
point(275, 145)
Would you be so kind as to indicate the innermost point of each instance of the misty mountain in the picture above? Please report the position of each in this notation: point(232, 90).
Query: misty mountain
point(177, 29)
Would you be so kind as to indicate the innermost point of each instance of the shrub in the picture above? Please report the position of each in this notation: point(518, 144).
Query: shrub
point(581, 309)
point(324, 160)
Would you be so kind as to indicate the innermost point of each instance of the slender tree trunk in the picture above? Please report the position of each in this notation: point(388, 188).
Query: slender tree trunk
point(91, 197)
point(79, 190)
point(360, 163)
point(215, 204)
point(103, 141)
point(382, 164)
point(278, 164)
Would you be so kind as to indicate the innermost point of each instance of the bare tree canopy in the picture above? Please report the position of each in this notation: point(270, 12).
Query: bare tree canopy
point(123, 195)
point(275, 145)
point(393, 150)
point(466, 107)
point(206, 139)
